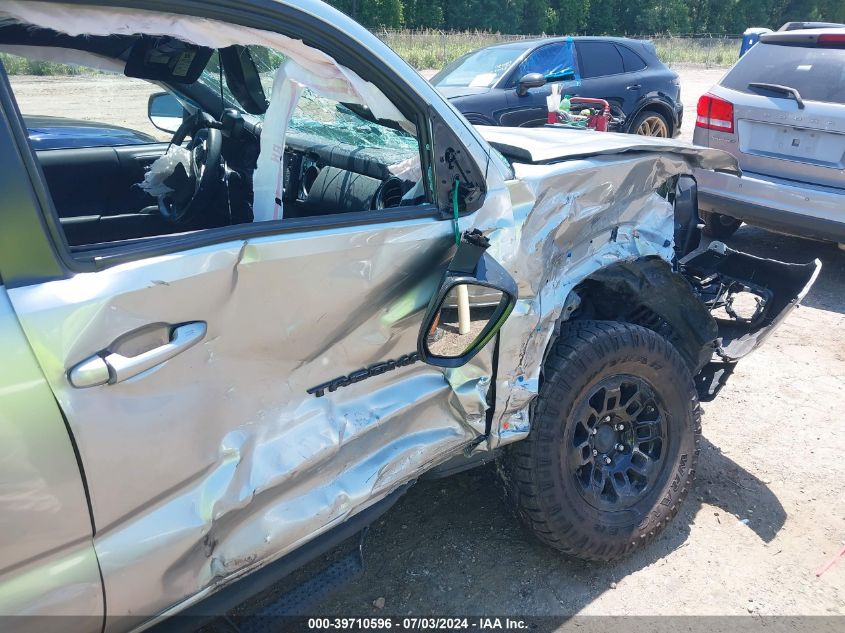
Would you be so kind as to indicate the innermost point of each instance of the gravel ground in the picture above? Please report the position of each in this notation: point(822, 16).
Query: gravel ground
point(767, 509)
point(694, 83)
point(104, 98)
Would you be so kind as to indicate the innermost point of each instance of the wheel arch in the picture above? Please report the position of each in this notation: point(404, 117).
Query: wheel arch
point(646, 292)
point(653, 106)
point(476, 118)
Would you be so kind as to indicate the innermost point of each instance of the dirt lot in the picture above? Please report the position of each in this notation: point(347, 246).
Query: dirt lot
point(694, 83)
point(103, 98)
point(767, 510)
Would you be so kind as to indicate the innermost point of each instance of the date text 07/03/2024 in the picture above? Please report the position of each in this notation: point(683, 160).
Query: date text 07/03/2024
point(418, 623)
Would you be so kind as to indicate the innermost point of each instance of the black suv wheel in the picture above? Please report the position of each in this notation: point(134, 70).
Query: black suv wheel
point(613, 445)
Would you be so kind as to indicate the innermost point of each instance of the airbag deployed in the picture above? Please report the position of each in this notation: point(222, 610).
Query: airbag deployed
point(164, 167)
point(85, 20)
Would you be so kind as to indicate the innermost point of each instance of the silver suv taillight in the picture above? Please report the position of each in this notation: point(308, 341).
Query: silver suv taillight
point(714, 113)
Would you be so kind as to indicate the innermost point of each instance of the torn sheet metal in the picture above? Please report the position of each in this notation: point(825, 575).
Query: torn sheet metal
point(561, 223)
point(224, 458)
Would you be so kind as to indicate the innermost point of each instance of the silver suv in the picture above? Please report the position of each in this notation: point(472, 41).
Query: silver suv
point(781, 112)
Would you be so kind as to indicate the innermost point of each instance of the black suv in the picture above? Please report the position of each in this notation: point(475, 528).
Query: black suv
point(499, 85)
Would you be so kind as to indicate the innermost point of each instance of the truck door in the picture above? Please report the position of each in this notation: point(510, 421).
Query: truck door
point(232, 398)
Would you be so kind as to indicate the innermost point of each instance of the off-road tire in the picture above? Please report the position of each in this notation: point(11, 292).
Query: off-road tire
point(719, 225)
point(537, 473)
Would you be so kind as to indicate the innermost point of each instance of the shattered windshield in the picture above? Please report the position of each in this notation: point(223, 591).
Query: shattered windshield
point(210, 78)
point(330, 120)
point(321, 118)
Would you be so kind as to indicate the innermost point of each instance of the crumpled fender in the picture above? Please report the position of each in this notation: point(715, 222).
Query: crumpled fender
point(560, 223)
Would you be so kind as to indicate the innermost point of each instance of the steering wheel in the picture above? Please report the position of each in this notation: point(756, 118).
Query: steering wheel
point(194, 187)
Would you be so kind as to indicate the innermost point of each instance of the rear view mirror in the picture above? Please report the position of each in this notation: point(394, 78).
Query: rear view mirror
point(243, 78)
point(165, 111)
point(474, 300)
point(687, 231)
point(531, 80)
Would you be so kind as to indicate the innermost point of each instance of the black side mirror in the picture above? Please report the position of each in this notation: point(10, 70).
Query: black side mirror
point(687, 222)
point(474, 300)
point(531, 80)
point(165, 111)
point(243, 79)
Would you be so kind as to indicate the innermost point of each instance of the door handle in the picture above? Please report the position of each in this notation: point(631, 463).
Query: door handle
point(633, 87)
point(111, 368)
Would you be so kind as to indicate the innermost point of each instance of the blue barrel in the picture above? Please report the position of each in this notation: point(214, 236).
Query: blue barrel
point(750, 38)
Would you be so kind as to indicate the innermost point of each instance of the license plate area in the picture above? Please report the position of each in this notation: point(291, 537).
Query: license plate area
point(786, 142)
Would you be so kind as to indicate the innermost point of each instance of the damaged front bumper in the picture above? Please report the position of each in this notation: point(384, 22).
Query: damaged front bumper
point(748, 297)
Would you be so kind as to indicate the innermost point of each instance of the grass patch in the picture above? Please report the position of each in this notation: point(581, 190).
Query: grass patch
point(435, 49)
point(709, 52)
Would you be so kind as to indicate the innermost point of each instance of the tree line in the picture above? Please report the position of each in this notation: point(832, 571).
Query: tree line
point(589, 17)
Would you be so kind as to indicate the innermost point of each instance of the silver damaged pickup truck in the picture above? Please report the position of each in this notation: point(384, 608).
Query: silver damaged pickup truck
point(230, 348)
